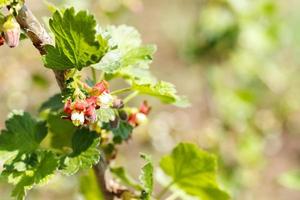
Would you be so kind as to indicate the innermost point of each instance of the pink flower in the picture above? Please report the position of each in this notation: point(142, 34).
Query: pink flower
point(92, 101)
point(139, 117)
point(90, 114)
point(81, 111)
point(144, 108)
point(67, 107)
point(80, 105)
point(100, 88)
point(11, 32)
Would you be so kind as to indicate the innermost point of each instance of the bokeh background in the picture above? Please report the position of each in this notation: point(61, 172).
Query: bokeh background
point(236, 60)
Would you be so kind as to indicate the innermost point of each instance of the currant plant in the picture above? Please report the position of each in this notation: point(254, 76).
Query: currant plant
point(86, 122)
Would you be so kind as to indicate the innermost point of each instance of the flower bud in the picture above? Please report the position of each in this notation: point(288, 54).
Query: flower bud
point(105, 100)
point(123, 115)
point(80, 105)
point(100, 88)
point(145, 108)
point(1, 40)
point(132, 120)
point(67, 107)
point(91, 101)
point(141, 118)
point(77, 118)
point(118, 103)
point(114, 123)
point(11, 31)
point(90, 114)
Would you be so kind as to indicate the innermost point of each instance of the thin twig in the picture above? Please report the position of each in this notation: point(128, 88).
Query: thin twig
point(130, 97)
point(164, 191)
point(120, 91)
point(94, 75)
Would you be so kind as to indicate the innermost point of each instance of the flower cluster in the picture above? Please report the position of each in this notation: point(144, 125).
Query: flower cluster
point(139, 116)
point(83, 111)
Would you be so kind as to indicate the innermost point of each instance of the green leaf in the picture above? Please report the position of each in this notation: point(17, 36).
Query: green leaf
point(137, 75)
point(106, 114)
point(125, 50)
point(61, 131)
point(290, 179)
point(164, 91)
point(124, 177)
point(122, 132)
point(54, 103)
point(76, 43)
point(85, 151)
point(146, 178)
point(23, 133)
point(193, 171)
point(44, 167)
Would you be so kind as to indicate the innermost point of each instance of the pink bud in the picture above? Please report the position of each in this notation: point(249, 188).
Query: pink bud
point(100, 88)
point(67, 107)
point(132, 119)
point(91, 101)
point(80, 105)
point(90, 114)
point(144, 108)
point(11, 31)
point(1, 40)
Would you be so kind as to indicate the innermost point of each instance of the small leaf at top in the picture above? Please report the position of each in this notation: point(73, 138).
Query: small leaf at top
point(125, 51)
point(76, 42)
point(193, 171)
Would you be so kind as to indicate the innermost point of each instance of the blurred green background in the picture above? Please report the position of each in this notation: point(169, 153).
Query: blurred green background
point(236, 60)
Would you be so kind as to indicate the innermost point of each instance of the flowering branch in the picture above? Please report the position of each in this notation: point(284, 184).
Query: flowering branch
point(40, 37)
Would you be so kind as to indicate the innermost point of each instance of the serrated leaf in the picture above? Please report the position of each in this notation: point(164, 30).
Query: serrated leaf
point(45, 166)
point(61, 131)
point(105, 115)
point(125, 50)
point(164, 91)
point(54, 103)
point(76, 43)
point(193, 171)
point(146, 178)
point(124, 177)
point(136, 75)
point(122, 132)
point(85, 151)
point(23, 133)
